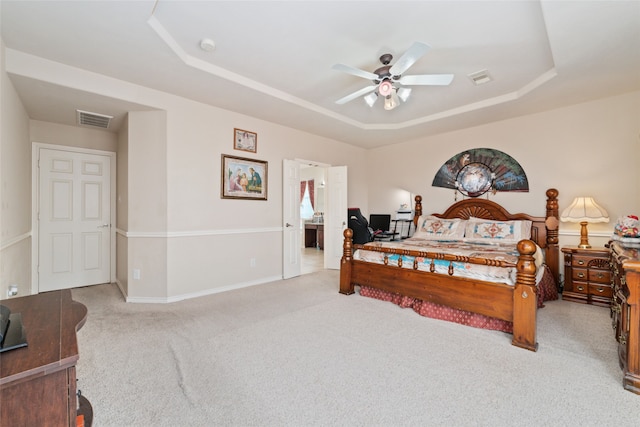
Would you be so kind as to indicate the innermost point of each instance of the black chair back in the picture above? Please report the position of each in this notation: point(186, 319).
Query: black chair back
point(362, 233)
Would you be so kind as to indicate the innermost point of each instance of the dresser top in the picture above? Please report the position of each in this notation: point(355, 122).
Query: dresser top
point(50, 321)
point(629, 256)
point(595, 251)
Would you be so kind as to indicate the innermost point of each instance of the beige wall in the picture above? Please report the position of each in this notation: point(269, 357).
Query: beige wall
point(15, 189)
point(122, 207)
point(177, 231)
point(74, 136)
point(586, 149)
point(147, 204)
point(213, 240)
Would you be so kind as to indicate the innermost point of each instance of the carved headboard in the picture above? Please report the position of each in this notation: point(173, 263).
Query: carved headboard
point(544, 230)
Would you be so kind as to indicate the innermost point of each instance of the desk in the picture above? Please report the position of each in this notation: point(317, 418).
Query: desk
point(313, 235)
point(385, 235)
point(38, 382)
point(401, 232)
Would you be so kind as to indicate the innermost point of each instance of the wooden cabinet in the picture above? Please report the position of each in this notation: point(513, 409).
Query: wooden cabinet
point(625, 312)
point(314, 235)
point(587, 277)
point(38, 382)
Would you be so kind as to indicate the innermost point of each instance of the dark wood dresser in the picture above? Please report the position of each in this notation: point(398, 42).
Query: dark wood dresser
point(38, 382)
point(625, 311)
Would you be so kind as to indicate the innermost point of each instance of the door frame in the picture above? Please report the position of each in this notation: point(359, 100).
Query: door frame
point(326, 167)
point(35, 208)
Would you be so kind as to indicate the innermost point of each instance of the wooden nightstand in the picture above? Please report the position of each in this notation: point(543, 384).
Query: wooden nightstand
point(587, 276)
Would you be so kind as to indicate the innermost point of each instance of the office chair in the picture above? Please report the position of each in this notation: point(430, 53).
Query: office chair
point(362, 233)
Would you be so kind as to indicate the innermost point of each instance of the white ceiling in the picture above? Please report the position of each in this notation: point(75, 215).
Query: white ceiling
point(273, 59)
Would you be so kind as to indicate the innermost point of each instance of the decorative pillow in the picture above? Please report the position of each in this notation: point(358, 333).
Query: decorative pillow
point(433, 228)
point(479, 229)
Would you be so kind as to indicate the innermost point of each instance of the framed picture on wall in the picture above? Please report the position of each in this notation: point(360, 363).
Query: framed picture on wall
point(243, 178)
point(244, 140)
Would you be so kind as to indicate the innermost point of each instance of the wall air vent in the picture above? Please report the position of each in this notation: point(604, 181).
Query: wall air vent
point(480, 77)
point(86, 118)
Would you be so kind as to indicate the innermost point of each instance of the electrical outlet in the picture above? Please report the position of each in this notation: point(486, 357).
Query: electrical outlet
point(136, 274)
point(252, 262)
point(12, 291)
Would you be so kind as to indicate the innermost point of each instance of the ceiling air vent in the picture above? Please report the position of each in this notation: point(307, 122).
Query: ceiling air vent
point(86, 118)
point(480, 77)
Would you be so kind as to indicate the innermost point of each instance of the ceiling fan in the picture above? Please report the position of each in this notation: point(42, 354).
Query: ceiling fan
point(389, 81)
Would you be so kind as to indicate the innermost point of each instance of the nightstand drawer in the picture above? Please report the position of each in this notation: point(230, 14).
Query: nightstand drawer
point(580, 274)
point(581, 287)
point(581, 260)
point(600, 276)
point(600, 290)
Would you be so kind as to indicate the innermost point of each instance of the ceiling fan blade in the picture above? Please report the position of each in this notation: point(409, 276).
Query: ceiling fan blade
point(355, 71)
point(356, 94)
point(414, 53)
point(427, 79)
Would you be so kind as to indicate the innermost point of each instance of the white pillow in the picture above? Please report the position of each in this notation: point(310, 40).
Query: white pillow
point(486, 230)
point(430, 227)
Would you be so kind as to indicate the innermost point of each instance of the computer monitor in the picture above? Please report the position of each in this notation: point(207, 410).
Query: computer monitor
point(380, 222)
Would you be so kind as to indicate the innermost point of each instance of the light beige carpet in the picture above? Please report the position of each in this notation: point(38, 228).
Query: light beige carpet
point(297, 353)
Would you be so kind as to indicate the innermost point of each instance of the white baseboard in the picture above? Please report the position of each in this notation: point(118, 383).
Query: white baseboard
point(176, 298)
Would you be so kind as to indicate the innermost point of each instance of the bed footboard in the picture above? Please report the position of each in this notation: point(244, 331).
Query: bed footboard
point(517, 304)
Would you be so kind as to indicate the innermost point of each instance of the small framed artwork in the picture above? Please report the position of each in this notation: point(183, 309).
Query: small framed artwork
point(243, 178)
point(244, 140)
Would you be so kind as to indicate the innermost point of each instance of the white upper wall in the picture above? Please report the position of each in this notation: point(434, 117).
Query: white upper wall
point(588, 149)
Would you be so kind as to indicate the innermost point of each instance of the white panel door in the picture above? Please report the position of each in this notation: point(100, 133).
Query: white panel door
point(291, 226)
point(335, 221)
point(74, 224)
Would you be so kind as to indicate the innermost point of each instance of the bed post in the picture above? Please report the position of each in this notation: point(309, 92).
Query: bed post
point(346, 286)
point(417, 211)
point(525, 300)
point(552, 257)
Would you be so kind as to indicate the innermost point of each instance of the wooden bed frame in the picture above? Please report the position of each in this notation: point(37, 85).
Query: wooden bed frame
point(517, 304)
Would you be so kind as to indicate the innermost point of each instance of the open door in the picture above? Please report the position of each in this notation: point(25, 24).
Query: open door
point(335, 220)
point(291, 226)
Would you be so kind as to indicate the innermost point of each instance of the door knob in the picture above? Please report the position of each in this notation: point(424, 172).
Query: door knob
point(104, 226)
point(289, 225)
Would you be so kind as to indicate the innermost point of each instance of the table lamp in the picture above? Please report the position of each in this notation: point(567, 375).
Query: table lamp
point(584, 210)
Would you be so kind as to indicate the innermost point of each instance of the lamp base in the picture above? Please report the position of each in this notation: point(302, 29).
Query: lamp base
point(584, 236)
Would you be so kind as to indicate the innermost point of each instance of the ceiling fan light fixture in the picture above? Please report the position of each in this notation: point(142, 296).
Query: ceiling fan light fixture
point(403, 93)
point(371, 99)
point(391, 101)
point(385, 88)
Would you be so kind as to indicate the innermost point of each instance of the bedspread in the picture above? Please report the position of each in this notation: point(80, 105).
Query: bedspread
point(504, 252)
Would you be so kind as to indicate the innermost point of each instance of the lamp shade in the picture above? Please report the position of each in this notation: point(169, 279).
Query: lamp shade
point(371, 99)
point(403, 93)
point(584, 209)
point(391, 101)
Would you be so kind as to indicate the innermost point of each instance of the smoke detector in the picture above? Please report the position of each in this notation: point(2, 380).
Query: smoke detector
point(480, 77)
point(207, 45)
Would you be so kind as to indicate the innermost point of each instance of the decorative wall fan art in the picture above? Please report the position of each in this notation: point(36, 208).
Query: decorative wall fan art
point(476, 171)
